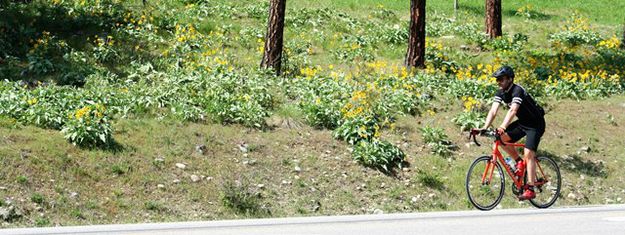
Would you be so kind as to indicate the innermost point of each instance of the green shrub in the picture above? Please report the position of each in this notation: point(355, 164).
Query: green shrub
point(321, 100)
point(437, 140)
point(576, 38)
point(378, 154)
point(46, 107)
point(356, 48)
point(576, 32)
point(234, 98)
point(382, 13)
point(37, 198)
point(41, 57)
point(359, 128)
point(471, 87)
point(88, 126)
point(469, 119)
point(21, 179)
point(120, 168)
point(296, 57)
point(515, 43)
point(529, 12)
point(104, 50)
point(395, 34)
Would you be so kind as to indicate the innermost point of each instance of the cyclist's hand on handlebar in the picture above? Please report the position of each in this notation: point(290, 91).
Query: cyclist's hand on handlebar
point(500, 130)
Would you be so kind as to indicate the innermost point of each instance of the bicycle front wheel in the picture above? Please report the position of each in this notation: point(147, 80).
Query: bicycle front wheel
point(549, 182)
point(485, 183)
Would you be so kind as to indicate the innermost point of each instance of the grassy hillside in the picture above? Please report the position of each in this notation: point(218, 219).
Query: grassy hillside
point(116, 112)
point(140, 182)
point(598, 10)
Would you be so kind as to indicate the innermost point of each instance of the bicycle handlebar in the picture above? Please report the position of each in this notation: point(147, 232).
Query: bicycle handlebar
point(484, 132)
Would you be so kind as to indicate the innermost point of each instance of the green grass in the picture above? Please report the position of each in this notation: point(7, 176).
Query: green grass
point(599, 11)
point(437, 182)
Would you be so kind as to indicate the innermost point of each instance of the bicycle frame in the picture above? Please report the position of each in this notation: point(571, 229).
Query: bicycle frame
point(487, 176)
point(497, 156)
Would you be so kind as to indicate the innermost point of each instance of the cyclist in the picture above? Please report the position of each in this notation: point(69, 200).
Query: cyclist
point(530, 122)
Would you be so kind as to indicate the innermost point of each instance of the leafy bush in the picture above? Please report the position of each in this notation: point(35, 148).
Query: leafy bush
point(403, 101)
point(378, 154)
point(257, 10)
point(528, 11)
point(321, 100)
point(41, 56)
point(296, 57)
point(515, 43)
point(233, 98)
point(576, 38)
point(356, 129)
point(355, 48)
point(438, 58)
point(472, 87)
point(576, 32)
point(37, 198)
point(439, 25)
point(437, 140)
point(396, 34)
point(468, 120)
point(154, 206)
point(310, 17)
point(382, 13)
point(88, 127)
point(76, 69)
point(103, 50)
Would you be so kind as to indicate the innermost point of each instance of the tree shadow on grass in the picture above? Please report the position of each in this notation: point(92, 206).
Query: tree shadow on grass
point(57, 32)
point(113, 147)
point(534, 15)
point(430, 180)
point(472, 9)
point(392, 170)
point(24, 23)
point(577, 164)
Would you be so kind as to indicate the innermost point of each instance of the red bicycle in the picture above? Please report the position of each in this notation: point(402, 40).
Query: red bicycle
point(485, 179)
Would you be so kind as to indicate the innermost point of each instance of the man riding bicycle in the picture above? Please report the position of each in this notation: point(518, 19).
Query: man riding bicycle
point(530, 122)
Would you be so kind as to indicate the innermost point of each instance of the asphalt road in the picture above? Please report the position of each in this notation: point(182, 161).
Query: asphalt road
point(608, 219)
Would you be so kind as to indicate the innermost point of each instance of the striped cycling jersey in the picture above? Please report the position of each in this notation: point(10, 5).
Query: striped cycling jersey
point(530, 113)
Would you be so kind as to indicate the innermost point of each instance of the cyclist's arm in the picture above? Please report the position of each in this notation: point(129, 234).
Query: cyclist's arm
point(511, 113)
point(491, 114)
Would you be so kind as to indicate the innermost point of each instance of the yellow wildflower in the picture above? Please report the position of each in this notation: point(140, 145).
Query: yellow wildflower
point(32, 101)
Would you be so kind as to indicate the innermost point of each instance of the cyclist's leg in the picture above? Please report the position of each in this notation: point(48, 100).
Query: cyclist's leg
point(531, 146)
point(530, 159)
point(513, 134)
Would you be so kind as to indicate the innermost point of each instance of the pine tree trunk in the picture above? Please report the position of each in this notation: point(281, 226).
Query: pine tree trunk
point(415, 56)
point(272, 56)
point(493, 18)
point(623, 39)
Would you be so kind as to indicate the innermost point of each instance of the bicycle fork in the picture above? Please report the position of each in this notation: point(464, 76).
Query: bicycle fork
point(490, 167)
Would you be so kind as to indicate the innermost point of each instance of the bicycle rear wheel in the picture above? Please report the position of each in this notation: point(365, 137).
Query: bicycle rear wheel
point(548, 192)
point(485, 194)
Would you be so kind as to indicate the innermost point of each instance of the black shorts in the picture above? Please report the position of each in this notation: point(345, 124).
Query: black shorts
point(516, 131)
